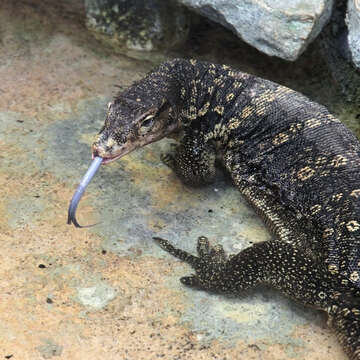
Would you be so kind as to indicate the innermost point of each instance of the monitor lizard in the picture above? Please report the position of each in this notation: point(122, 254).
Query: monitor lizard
point(289, 157)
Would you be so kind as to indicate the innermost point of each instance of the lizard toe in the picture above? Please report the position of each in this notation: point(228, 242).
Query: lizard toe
point(178, 253)
point(203, 246)
point(191, 281)
point(168, 160)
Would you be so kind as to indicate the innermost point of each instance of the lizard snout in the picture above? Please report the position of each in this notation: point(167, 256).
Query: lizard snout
point(95, 150)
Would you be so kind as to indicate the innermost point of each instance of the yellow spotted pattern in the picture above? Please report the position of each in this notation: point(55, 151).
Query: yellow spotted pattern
point(280, 138)
point(333, 269)
point(355, 193)
point(315, 209)
point(230, 96)
point(353, 225)
point(337, 197)
point(339, 160)
point(219, 109)
point(311, 123)
point(354, 276)
point(246, 112)
point(305, 173)
point(234, 123)
point(204, 109)
point(328, 232)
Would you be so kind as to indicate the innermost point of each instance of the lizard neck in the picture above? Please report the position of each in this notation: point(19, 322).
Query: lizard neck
point(177, 84)
point(206, 97)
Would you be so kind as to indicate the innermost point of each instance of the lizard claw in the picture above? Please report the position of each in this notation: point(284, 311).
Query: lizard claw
point(178, 253)
point(168, 160)
point(191, 281)
point(203, 246)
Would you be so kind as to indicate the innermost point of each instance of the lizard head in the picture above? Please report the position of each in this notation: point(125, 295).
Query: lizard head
point(131, 124)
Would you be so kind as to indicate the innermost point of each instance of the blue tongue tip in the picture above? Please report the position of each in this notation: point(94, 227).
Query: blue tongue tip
point(93, 168)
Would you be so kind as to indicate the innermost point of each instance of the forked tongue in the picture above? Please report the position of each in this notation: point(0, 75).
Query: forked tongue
point(80, 191)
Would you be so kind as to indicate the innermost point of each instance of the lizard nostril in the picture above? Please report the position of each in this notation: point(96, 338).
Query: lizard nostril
point(95, 150)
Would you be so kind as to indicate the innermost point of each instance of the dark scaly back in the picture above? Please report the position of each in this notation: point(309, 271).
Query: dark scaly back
point(308, 159)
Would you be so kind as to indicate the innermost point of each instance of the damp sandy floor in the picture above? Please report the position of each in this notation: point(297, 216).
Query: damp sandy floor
point(109, 292)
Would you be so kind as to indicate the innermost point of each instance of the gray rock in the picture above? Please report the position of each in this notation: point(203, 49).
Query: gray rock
point(353, 24)
point(281, 28)
point(137, 25)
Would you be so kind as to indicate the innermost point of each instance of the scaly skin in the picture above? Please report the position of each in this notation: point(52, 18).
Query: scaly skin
point(289, 157)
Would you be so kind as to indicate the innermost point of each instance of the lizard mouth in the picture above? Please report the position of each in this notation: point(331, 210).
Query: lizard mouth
point(107, 160)
point(112, 157)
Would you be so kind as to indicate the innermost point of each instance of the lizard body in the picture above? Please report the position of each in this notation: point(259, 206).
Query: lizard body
point(289, 157)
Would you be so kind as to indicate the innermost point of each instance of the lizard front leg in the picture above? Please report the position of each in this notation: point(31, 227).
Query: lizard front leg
point(193, 160)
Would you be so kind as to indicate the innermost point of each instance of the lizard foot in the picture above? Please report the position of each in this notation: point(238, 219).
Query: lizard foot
point(209, 265)
point(168, 160)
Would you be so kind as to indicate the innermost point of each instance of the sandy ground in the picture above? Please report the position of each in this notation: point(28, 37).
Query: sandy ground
point(108, 292)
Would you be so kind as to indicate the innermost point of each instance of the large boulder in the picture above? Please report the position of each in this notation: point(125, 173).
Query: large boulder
point(353, 24)
point(137, 25)
point(281, 28)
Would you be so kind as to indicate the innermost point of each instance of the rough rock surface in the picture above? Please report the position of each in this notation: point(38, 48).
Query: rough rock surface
point(353, 23)
point(281, 28)
point(138, 24)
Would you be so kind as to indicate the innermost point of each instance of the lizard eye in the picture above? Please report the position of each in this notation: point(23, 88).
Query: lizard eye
point(148, 121)
point(146, 125)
